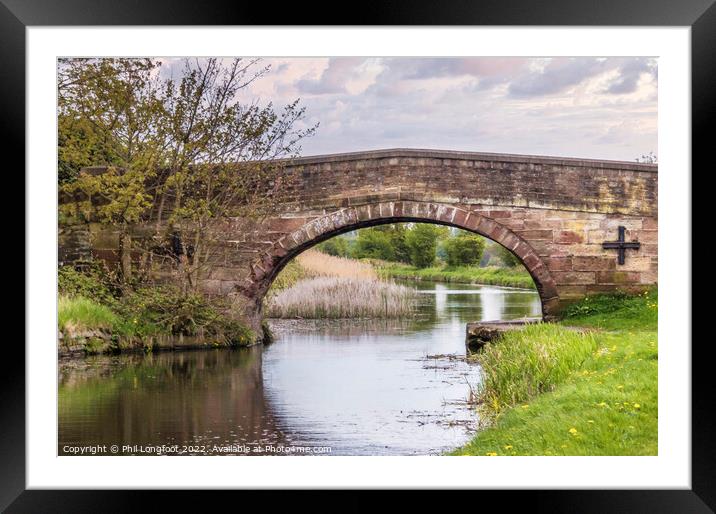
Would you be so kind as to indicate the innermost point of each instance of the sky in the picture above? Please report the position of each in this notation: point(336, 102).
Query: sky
point(601, 108)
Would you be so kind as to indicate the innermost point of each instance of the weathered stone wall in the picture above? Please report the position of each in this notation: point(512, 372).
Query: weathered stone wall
point(553, 213)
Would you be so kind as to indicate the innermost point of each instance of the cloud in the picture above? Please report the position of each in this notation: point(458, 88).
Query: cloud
point(576, 107)
point(629, 74)
point(556, 76)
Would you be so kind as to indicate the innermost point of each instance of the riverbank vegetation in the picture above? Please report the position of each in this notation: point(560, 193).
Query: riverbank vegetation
point(490, 275)
point(552, 390)
point(319, 285)
point(420, 251)
point(91, 303)
point(342, 297)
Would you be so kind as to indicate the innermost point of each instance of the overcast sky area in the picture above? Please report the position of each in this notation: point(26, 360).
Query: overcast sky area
point(602, 108)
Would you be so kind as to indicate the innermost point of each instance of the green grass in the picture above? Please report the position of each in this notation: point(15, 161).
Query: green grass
point(289, 276)
point(81, 313)
point(605, 404)
point(491, 275)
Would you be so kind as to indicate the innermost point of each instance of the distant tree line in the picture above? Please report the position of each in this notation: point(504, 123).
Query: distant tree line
point(419, 244)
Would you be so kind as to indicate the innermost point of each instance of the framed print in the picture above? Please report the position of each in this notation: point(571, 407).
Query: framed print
point(421, 251)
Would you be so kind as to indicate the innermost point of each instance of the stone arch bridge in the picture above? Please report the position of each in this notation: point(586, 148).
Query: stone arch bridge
point(555, 214)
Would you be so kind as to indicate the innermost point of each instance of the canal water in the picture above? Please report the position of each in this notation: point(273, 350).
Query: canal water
point(378, 387)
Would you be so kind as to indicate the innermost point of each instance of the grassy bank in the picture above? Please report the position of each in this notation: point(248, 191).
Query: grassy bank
point(554, 391)
point(491, 275)
point(95, 313)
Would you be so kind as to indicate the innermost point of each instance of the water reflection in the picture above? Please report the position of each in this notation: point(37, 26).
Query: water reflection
point(363, 387)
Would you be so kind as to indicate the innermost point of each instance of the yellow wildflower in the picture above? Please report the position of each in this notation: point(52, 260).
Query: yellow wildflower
point(508, 447)
point(573, 431)
point(637, 406)
point(491, 454)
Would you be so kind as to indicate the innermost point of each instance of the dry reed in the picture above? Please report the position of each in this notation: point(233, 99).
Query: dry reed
point(321, 264)
point(342, 297)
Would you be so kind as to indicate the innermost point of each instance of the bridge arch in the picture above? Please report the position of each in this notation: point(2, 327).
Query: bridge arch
point(265, 269)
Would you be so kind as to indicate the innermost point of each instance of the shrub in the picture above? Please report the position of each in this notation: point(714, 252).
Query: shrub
point(336, 246)
point(422, 242)
point(464, 249)
point(165, 309)
point(92, 282)
point(373, 243)
point(505, 256)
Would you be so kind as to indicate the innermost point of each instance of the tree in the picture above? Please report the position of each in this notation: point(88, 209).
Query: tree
point(373, 243)
point(422, 241)
point(464, 249)
point(649, 158)
point(183, 152)
point(508, 258)
point(336, 246)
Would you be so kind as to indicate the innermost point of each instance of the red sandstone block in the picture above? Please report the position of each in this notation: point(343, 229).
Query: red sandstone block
point(531, 261)
point(593, 263)
point(568, 237)
point(363, 212)
point(650, 223)
point(647, 236)
point(258, 273)
point(574, 291)
point(618, 277)
point(559, 263)
point(500, 214)
point(536, 234)
point(459, 219)
point(574, 277)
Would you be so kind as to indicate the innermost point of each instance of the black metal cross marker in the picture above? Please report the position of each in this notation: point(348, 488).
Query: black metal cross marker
point(621, 245)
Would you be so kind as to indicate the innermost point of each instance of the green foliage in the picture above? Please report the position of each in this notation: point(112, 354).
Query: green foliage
point(422, 241)
point(182, 151)
point(507, 277)
point(337, 246)
point(289, 275)
point(164, 309)
point(608, 406)
point(373, 243)
point(524, 363)
point(79, 313)
point(507, 258)
point(93, 283)
point(634, 311)
point(464, 249)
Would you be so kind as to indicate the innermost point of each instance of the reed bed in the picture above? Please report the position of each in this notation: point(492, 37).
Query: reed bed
point(321, 264)
point(342, 297)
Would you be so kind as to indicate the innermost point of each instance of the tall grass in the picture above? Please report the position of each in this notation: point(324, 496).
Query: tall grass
point(527, 362)
point(321, 264)
point(342, 297)
point(79, 313)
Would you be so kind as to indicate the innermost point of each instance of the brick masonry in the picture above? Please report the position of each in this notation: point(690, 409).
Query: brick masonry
point(553, 213)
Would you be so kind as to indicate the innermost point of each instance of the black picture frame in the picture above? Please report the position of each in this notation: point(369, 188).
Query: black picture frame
point(700, 15)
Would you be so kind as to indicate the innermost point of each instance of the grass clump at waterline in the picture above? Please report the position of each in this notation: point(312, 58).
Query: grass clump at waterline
point(603, 404)
point(91, 301)
point(342, 297)
point(80, 313)
point(490, 275)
